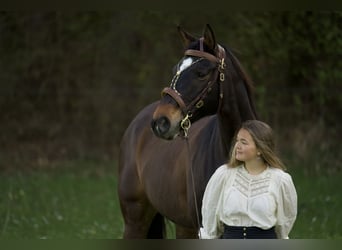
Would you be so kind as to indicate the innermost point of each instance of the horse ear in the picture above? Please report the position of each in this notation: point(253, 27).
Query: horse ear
point(186, 37)
point(209, 37)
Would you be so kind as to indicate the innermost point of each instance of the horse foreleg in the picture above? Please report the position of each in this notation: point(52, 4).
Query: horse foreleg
point(135, 207)
point(137, 218)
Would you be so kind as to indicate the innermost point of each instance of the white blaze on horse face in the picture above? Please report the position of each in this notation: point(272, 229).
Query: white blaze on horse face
point(185, 64)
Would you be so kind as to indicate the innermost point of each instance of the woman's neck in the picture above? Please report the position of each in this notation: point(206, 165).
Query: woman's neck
point(255, 167)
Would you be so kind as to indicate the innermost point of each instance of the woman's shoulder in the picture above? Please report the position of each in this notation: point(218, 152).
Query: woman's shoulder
point(221, 175)
point(223, 171)
point(225, 168)
point(280, 175)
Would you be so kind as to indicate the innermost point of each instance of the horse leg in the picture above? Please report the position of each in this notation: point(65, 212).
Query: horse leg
point(135, 207)
point(141, 224)
point(138, 216)
point(186, 232)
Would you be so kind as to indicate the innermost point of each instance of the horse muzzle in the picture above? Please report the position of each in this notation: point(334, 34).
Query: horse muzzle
point(166, 120)
point(160, 126)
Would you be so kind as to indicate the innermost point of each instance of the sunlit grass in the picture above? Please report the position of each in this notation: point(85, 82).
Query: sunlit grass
point(79, 200)
point(76, 204)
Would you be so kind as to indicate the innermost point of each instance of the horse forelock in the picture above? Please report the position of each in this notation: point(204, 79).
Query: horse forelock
point(196, 46)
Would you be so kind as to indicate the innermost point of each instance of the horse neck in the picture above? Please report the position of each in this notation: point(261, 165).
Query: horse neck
point(237, 105)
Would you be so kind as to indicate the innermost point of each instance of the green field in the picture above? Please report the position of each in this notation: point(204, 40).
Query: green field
point(74, 202)
point(78, 200)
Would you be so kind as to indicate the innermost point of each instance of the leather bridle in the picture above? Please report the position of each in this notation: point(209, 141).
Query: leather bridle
point(198, 101)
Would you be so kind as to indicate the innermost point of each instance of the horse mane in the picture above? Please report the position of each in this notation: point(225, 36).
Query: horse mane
point(249, 84)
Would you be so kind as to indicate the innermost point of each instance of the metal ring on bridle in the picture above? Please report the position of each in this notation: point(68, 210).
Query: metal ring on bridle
point(186, 124)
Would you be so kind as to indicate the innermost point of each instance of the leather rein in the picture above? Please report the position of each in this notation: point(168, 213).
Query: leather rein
point(198, 102)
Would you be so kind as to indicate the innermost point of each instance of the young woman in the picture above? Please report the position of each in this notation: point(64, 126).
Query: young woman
point(251, 197)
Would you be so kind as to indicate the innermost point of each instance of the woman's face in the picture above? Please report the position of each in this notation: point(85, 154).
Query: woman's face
point(245, 149)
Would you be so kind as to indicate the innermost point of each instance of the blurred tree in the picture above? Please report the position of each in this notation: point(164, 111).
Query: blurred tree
point(71, 82)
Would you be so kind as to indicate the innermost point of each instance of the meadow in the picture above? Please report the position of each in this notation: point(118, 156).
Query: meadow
point(78, 200)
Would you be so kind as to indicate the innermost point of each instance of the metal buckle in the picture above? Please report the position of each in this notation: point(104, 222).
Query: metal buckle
point(186, 124)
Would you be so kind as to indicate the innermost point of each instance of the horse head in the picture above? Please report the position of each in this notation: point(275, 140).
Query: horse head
point(195, 89)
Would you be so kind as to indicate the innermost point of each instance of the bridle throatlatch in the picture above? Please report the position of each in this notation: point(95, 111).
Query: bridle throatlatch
point(198, 102)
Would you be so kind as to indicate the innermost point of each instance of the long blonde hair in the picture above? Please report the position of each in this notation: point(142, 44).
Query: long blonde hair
point(262, 136)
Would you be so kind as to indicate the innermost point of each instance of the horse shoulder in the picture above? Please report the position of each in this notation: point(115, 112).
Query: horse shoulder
point(138, 129)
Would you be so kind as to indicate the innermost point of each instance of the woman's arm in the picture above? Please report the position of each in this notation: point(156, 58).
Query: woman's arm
point(212, 227)
point(287, 207)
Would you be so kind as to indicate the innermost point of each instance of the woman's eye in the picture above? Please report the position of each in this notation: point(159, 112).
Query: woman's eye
point(244, 142)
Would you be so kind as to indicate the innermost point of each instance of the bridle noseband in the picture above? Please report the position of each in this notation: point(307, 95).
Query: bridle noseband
point(198, 102)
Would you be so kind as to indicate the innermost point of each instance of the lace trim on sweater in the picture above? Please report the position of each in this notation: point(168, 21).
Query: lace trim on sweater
point(251, 187)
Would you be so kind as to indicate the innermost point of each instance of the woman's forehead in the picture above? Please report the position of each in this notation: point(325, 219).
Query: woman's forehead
point(244, 134)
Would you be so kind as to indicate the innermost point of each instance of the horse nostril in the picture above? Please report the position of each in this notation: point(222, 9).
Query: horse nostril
point(161, 125)
point(164, 123)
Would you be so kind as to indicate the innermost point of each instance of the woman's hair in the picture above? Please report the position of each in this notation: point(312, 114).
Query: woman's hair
point(262, 136)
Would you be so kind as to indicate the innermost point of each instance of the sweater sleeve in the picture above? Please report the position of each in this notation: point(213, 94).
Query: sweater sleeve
point(212, 227)
point(287, 207)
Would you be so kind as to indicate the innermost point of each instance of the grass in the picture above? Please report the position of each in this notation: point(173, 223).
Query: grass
point(68, 204)
point(319, 206)
point(79, 200)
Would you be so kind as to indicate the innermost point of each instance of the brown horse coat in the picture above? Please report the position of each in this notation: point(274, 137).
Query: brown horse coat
point(155, 178)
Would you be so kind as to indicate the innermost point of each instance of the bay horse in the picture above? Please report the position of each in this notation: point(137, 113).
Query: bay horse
point(173, 146)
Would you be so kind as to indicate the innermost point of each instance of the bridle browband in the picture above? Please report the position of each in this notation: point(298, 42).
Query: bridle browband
point(198, 102)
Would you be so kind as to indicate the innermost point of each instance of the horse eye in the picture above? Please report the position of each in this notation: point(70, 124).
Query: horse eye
point(202, 74)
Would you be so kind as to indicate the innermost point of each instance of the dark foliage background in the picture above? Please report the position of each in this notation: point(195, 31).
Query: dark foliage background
point(70, 83)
